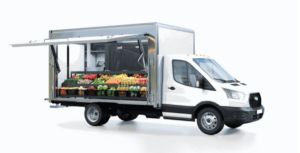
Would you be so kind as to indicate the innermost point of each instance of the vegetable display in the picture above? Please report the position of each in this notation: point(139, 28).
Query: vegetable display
point(90, 76)
point(122, 90)
point(63, 90)
point(111, 91)
point(86, 81)
point(99, 81)
point(113, 81)
point(81, 91)
point(71, 81)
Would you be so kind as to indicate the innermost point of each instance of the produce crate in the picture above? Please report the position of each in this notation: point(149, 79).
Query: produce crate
point(142, 94)
point(132, 95)
point(81, 93)
point(91, 92)
point(72, 92)
point(123, 93)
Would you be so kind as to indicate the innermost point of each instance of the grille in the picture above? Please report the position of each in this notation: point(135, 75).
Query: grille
point(255, 100)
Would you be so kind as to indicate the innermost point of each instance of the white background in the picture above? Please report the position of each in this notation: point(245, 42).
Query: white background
point(256, 41)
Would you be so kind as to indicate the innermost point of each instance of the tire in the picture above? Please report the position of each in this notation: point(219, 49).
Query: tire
point(233, 126)
point(210, 121)
point(127, 116)
point(96, 115)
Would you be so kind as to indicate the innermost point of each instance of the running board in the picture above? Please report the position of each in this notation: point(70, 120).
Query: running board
point(178, 118)
point(57, 106)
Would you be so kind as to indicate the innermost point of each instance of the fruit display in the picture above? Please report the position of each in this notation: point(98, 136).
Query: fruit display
point(81, 91)
point(85, 81)
point(130, 80)
point(99, 81)
point(121, 76)
point(77, 76)
point(106, 77)
point(142, 81)
point(113, 81)
point(138, 75)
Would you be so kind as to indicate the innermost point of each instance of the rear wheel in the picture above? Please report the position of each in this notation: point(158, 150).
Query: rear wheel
point(210, 121)
point(127, 116)
point(96, 115)
point(233, 125)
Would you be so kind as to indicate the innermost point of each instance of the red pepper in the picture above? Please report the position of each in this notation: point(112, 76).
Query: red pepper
point(73, 76)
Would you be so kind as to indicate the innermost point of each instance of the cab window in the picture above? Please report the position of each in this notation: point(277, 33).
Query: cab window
point(184, 73)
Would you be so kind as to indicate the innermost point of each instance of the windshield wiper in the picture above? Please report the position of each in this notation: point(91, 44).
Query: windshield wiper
point(221, 79)
point(229, 81)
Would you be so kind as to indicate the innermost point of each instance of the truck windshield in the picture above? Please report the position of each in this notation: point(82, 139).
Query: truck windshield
point(214, 70)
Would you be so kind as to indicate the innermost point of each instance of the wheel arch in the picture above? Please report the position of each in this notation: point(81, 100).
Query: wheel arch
point(205, 104)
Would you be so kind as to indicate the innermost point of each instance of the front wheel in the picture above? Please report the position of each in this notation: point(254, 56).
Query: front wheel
point(210, 121)
point(233, 125)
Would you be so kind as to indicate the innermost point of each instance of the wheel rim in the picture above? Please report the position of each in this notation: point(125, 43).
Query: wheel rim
point(93, 114)
point(209, 121)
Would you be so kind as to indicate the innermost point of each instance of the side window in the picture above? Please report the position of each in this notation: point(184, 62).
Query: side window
point(180, 72)
point(193, 75)
point(184, 73)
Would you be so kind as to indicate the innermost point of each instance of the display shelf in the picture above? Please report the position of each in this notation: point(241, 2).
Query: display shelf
point(107, 72)
point(96, 85)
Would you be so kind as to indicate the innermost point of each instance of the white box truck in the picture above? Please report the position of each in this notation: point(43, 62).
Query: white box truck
point(146, 69)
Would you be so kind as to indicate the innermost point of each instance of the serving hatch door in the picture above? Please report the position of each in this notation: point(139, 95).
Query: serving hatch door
point(80, 40)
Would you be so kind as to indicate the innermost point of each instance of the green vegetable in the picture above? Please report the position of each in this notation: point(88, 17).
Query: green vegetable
point(131, 88)
point(99, 81)
point(100, 87)
point(105, 87)
point(71, 81)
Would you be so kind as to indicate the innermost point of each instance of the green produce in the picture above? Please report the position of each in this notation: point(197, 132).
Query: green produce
point(99, 81)
point(100, 87)
point(71, 81)
point(138, 88)
point(105, 87)
point(131, 88)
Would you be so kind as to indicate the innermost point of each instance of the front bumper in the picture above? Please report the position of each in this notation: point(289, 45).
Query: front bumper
point(241, 115)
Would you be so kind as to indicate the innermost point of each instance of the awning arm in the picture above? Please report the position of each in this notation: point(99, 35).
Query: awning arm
point(55, 59)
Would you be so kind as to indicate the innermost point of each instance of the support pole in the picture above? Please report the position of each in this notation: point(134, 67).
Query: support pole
point(68, 61)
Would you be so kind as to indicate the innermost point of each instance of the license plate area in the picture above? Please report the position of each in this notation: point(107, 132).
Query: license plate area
point(259, 111)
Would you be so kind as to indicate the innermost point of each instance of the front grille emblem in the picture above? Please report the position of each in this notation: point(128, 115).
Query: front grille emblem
point(256, 98)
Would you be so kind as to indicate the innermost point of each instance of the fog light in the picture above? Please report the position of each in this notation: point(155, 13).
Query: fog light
point(239, 115)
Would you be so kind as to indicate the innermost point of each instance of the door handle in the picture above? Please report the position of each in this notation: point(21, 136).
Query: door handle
point(172, 88)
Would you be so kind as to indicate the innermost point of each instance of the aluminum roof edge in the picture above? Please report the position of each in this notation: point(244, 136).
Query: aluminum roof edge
point(124, 25)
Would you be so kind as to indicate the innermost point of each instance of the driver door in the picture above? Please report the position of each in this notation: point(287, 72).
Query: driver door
point(181, 89)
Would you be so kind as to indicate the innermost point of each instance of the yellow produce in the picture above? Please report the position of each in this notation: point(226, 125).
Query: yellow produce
point(121, 76)
point(129, 80)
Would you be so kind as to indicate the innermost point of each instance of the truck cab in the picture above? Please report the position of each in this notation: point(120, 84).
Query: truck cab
point(197, 87)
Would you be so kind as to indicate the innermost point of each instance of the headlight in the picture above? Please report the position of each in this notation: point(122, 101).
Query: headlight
point(232, 94)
